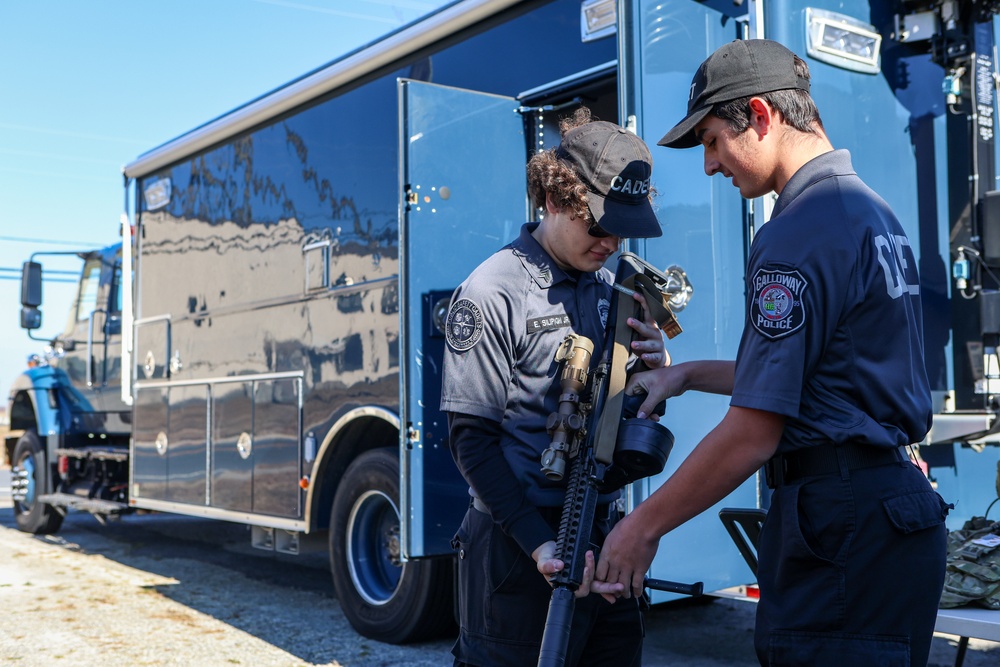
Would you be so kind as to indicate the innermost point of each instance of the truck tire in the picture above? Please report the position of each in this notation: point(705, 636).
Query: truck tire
point(32, 516)
point(383, 598)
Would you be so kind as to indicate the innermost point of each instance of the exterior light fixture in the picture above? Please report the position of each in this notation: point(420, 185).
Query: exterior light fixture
point(598, 18)
point(843, 41)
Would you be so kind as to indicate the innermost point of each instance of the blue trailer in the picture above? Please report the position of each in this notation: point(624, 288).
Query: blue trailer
point(264, 346)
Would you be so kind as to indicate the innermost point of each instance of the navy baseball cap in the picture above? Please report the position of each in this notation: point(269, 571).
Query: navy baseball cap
point(615, 166)
point(742, 68)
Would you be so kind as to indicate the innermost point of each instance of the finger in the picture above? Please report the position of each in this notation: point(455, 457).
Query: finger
point(636, 385)
point(638, 585)
point(647, 409)
point(588, 575)
point(645, 330)
point(646, 316)
point(606, 588)
point(601, 571)
point(550, 566)
point(652, 359)
point(650, 345)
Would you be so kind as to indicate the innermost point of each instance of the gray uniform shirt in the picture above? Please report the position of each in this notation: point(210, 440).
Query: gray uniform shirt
point(505, 324)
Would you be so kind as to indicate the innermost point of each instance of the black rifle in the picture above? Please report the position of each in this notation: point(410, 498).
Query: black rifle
point(606, 445)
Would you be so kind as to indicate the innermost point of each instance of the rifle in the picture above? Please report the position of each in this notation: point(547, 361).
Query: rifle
point(605, 444)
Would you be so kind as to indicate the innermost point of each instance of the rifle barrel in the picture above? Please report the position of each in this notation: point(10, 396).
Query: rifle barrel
point(555, 639)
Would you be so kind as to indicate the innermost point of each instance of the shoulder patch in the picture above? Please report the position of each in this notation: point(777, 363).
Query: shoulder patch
point(776, 309)
point(464, 326)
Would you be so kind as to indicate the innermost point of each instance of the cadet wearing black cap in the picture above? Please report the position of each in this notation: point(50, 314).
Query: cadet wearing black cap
point(827, 386)
point(501, 383)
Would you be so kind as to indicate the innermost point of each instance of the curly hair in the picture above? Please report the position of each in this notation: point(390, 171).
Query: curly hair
point(549, 175)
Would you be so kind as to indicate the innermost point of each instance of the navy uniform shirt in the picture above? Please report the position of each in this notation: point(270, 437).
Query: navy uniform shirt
point(504, 326)
point(833, 339)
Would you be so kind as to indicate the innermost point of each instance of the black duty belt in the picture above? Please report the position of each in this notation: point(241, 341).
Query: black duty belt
point(826, 460)
point(550, 514)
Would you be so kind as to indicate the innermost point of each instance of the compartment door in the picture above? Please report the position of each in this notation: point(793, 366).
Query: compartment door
point(706, 227)
point(463, 197)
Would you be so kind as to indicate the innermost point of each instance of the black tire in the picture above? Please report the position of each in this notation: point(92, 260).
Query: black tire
point(383, 598)
point(32, 516)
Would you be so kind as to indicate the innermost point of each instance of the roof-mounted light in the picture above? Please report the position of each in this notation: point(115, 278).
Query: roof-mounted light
point(843, 41)
point(598, 18)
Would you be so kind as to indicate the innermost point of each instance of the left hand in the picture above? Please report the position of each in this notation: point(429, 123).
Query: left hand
point(548, 565)
point(649, 347)
point(625, 558)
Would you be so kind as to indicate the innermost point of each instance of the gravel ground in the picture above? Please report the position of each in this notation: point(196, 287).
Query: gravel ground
point(170, 590)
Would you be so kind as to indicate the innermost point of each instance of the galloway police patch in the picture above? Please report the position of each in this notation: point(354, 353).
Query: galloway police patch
point(776, 309)
point(464, 326)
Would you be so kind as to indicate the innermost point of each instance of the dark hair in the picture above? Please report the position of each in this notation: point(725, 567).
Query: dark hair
point(547, 174)
point(796, 107)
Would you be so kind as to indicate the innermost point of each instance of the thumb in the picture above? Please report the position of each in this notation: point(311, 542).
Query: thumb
point(648, 410)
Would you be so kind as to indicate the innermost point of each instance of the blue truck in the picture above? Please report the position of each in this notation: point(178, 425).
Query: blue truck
point(264, 345)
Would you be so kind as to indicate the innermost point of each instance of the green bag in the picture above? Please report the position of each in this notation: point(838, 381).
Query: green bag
point(972, 575)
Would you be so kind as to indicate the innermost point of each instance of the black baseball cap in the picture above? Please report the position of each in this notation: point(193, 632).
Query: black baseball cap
point(741, 68)
point(615, 165)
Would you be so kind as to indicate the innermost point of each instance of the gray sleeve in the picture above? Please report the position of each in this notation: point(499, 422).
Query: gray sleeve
point(479, 354)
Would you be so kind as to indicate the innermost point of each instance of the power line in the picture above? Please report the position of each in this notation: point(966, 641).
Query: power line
point(13, 269)
point(47, 280)
point(21, 239)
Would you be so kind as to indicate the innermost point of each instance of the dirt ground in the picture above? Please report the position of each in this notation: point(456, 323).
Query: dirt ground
point(170, 590)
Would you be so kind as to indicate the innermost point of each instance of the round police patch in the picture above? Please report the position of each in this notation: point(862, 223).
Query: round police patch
point(464, 327)
point(776, 309)
point(603, 308)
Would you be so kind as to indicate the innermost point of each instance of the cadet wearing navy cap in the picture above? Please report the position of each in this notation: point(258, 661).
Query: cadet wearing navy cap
point(828, 384)
point(501, 383)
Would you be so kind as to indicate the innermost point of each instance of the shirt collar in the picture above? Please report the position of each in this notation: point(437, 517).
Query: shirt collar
point(538, 263)
point(832, 163)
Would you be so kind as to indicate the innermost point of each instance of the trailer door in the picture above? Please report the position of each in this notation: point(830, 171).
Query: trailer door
point(463, 197)
point(706, 228)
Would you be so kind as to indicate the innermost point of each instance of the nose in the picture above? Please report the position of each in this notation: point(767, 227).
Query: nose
point(712, 165)
point(611, 242)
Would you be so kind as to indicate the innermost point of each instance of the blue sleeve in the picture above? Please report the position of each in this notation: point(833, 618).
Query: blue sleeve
point(475, 446)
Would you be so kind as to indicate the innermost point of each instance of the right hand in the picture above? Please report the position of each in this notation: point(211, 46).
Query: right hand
point(656, 385)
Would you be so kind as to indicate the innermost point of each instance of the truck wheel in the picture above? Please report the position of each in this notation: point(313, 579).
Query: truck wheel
point(382, 597)
point(29, 470)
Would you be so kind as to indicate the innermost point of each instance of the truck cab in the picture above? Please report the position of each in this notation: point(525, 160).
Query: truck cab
point(68, 445)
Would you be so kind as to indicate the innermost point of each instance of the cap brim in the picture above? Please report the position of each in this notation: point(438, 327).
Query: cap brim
point(627, 221)
point(682, 134)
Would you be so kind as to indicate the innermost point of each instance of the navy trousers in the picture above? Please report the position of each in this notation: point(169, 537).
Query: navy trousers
point(503, 602)
point(851, 568)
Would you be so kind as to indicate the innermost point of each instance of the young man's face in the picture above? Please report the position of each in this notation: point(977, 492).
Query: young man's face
point(740, 157)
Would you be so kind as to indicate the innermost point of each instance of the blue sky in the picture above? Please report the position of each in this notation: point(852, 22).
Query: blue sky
point(87, 86)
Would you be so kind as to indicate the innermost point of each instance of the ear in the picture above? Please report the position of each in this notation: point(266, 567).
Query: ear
point(550, 205)
point(762, 116)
